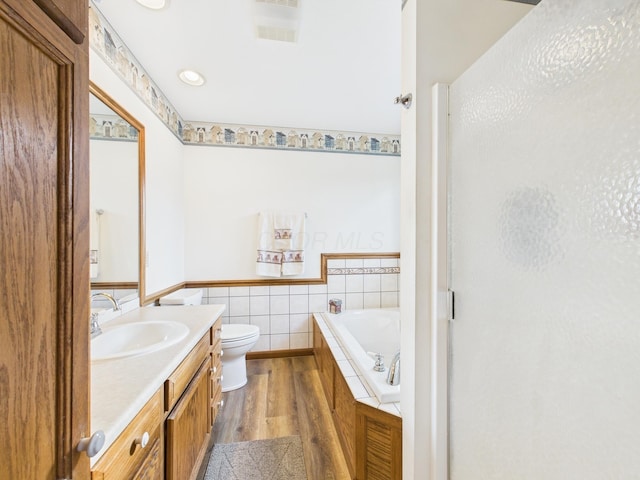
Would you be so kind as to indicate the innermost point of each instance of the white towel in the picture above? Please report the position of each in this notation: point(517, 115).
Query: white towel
point(280, 243)
point(94, 243)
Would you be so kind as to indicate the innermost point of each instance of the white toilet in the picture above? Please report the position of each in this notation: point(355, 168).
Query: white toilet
point(237, 340)
point(185, 296)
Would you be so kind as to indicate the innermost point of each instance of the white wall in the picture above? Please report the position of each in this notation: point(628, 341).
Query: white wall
point(352, 204)
point(164, 187)
point(545, 158)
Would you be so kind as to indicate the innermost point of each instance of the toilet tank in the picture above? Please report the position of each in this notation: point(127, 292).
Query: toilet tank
point(185, 296)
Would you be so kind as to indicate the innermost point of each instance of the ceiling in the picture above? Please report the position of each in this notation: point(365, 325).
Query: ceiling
point(342, 74)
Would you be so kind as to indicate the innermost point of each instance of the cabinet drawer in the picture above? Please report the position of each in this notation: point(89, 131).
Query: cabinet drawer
point(125, 456)
point(181, 376)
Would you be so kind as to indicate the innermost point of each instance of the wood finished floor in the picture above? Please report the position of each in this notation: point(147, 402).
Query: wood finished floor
point(283, 397)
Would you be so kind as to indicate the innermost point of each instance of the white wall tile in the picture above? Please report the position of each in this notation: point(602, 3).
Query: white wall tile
point(371, 299)
point(279, 290)
point(280, 342)
point(389, 262)
point(238, 291)
point(238, 306)
point(220, 301)
point(389, 282)
point(299, 304)
point(353, 301)
point(298, 340)
point(282, 311)
point(263, 344)
point(314, 289)
point(255, 290)
point(299, 290)
point(262, 322)
point(259, 305)
point(278, 304)
point(240, 320)
point(335, 263)
point(217, 292)
point(388, 299)
point(279, 324)
point(354, 283)
point(336, 284)
point(318, 303)
point(371, 282)
point(299, 323)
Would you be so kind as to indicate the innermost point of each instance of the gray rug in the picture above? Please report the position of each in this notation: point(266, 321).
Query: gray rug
point(273, 459)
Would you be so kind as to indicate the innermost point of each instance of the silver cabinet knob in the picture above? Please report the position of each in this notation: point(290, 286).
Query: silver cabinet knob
point(143, 440)
point(93, 444)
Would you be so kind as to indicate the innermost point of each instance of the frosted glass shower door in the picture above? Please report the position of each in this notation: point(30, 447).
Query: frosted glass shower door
point(545, 249)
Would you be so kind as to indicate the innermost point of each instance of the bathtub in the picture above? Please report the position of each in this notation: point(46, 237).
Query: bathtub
point(369, 330)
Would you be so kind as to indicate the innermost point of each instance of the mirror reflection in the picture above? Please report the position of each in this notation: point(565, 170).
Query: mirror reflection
point(115, 160)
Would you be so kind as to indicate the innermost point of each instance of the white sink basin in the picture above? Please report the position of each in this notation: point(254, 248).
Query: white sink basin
point(136, 339)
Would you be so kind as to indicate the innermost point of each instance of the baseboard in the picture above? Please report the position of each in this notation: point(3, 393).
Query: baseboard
point(300, 352)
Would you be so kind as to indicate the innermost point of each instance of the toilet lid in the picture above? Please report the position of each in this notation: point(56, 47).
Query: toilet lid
point(233, 332)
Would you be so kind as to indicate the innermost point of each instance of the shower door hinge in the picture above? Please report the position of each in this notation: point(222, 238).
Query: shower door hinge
point(451, 303)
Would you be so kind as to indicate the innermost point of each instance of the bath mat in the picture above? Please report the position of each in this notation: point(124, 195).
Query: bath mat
point(272, 459)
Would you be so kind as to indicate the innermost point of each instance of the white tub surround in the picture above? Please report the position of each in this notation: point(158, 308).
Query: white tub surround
point(356, 372)
point(121, 387)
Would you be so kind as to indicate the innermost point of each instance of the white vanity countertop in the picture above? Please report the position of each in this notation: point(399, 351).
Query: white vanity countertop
point(121, 387)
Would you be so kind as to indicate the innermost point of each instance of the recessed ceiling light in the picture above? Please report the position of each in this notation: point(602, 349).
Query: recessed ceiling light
point(191, 77)
point(153, 4)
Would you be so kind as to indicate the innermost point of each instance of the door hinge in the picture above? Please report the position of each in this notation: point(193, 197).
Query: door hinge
point(451, 302)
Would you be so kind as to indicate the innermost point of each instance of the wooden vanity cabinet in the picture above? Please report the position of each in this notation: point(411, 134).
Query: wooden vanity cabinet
point(128, 457)
point(192, 395)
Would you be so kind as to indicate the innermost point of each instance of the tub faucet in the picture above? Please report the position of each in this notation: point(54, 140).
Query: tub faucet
point(393, 377)
point(94, 325)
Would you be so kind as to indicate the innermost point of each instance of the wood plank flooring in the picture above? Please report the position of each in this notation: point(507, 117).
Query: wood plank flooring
point(283, 397)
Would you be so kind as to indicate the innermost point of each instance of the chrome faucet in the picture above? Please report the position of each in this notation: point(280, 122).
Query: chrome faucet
point(393, 377)
point(94, 325)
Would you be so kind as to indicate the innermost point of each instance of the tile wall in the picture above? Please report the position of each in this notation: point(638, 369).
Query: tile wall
point(284, 313)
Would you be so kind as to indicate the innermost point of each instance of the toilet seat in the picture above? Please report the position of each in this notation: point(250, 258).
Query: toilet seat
point(237, 332)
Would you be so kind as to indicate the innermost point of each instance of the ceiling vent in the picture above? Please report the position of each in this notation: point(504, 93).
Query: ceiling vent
point(266, 32)
point(282, 3)
point(277, 20)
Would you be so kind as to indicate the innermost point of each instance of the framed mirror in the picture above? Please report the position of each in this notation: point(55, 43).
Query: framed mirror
point(117, 165)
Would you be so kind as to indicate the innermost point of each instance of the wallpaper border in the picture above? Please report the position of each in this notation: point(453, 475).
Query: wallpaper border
point(105, 41)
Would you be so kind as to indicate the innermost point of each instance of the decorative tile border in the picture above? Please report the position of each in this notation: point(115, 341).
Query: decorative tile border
point(111, 127)
point(362, 271)
point(105, 42)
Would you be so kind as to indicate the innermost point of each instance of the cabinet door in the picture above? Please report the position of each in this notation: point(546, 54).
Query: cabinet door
point(44, 311)
point(188, 428)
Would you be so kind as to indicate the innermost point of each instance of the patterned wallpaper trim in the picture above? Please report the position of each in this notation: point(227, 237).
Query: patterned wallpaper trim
point(362, 271)
point(107, 44)
point(111, 127)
